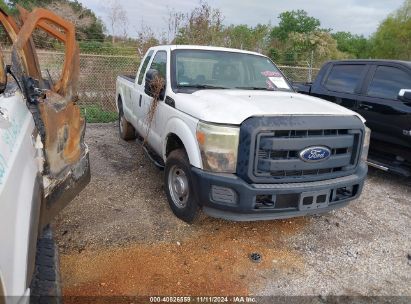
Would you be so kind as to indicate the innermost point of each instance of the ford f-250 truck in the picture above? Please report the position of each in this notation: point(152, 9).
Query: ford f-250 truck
point(236, 140)
point(44, 161)
point(380, 91)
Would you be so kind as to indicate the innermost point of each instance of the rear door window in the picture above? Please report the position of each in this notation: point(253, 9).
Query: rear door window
point(388, 81)
point(144, 67)
point(345, 78)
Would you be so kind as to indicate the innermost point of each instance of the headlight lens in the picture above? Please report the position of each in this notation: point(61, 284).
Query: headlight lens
point(218, 147)
point(366, 144)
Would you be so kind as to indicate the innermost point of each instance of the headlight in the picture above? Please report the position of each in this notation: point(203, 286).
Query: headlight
point(218, 147)
point(366, 144)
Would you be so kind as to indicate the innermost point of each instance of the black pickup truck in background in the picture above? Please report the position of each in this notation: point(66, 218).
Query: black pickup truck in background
point(379, 90)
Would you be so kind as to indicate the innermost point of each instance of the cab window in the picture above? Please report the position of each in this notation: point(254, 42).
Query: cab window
point(160, 63)
point(144, 67)
point(345, 78)
point(388, 81)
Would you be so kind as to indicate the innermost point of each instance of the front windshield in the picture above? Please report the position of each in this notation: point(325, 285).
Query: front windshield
point(203, 69)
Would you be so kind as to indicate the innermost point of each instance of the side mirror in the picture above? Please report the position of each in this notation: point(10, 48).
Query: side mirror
point(150, 84)
point(404, 95)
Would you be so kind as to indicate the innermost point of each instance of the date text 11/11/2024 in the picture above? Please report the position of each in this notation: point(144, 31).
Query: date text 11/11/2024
point(202, 299)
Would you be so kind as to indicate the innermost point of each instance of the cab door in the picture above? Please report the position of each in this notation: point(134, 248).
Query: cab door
point(53, 105)
point(153, 128)
point(342, 84)
point(44, 161)
point(388, 117)
point(138, 93)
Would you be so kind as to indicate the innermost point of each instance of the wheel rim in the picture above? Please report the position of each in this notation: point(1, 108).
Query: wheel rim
point(178, 186)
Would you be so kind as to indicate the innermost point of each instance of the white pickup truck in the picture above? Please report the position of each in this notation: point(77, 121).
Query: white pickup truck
point(44, 162)
point(236, 140)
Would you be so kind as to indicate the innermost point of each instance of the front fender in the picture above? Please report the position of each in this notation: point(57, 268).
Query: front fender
point(186, 131)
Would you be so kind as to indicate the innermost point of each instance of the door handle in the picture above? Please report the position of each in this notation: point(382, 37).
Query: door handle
point(366, 107)
point(139, 102)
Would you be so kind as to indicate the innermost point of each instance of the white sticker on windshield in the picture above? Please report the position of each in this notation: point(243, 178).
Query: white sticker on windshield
point(279, 82)
point(270, 74)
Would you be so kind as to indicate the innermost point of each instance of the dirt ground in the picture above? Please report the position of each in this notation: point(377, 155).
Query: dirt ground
point(119, 237)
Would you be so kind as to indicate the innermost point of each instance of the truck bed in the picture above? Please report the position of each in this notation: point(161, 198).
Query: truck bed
point(302, 87)
point(130, 78)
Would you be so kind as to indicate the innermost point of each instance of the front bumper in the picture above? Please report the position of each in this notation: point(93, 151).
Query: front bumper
point(228, 196)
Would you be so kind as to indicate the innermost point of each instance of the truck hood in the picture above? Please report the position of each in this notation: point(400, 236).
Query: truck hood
point(235, 106)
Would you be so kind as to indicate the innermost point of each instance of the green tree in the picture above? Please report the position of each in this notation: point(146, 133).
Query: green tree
point(356, 45)
point(294, 21)
point(4, 6)
point(88, 26)
point(261, 33)
point(393, 37)
point(203, 26)
point(248, 38)
point(239, 36)
point(274, 54)
point(319, 44)
point(299, 40)
point(29, 4)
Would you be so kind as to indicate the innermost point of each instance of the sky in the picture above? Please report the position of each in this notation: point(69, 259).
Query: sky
point(356, 16)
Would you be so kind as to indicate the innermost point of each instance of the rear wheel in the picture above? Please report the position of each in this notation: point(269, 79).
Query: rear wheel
point(179, 188)
point(126, 129)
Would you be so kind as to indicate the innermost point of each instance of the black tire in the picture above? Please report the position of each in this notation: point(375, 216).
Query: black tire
point(45, 285)
point(184, 206)
point(126, 129)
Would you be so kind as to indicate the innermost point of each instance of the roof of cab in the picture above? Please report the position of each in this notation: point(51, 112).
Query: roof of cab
point(201, 47)
point(376, 61)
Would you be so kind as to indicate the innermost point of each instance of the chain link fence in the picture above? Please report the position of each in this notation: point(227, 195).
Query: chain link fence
point(98, 73)
point(299, 73)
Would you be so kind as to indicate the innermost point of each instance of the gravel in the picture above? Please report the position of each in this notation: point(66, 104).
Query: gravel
point(120, 237)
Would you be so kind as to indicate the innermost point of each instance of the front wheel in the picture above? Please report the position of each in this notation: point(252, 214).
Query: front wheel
point(179, 188)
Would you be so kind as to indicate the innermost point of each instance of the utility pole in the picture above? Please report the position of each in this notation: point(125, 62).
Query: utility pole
point(310, 67)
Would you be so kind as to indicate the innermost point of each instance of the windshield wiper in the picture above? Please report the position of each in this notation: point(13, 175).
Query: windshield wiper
point(200, 86)
point(255, 88)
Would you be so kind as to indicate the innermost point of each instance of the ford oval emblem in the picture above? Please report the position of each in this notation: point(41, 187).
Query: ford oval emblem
point(315, 154)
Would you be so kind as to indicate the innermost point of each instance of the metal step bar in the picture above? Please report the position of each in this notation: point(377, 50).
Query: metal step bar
point(400, 170)
point(157, 161)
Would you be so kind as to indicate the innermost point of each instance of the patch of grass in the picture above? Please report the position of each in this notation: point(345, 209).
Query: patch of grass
point(95, 114)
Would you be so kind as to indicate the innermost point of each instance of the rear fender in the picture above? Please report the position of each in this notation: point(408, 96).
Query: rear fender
point(120, 96)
